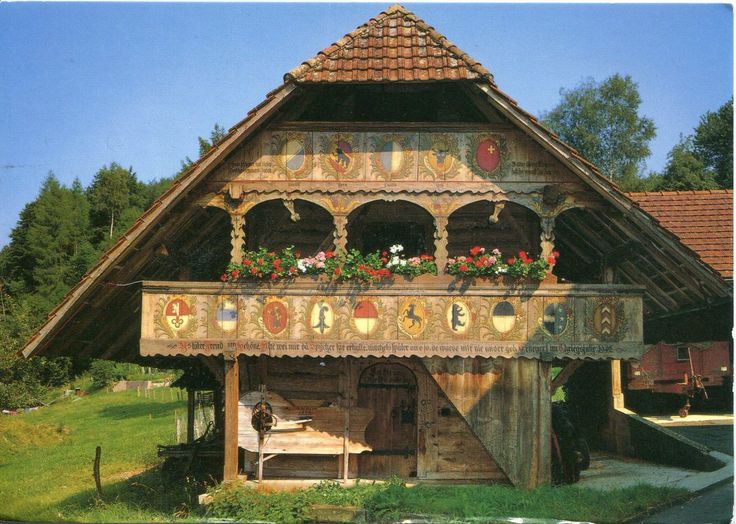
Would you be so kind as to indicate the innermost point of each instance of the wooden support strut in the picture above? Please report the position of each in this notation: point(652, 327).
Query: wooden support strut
point(232, 397)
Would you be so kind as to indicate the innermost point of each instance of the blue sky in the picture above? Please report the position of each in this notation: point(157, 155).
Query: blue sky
point(82, 85)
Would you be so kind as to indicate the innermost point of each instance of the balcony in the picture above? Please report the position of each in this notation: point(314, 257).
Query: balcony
point(428, 316)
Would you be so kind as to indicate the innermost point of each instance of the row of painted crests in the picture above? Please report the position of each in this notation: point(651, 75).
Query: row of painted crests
point(386, 318)
point(300, 155)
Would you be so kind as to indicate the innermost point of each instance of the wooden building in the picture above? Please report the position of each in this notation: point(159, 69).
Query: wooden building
point(391, 135)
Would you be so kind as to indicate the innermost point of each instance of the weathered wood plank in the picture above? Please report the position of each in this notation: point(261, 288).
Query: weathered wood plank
point(510, 415)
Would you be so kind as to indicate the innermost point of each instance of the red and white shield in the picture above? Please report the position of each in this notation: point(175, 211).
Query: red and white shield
point(177, 313)
point(365, 317)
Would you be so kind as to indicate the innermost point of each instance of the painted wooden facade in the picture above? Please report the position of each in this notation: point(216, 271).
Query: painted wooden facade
point(434, 156)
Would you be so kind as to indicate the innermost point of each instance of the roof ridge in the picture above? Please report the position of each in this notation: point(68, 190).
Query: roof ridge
point(395, 9)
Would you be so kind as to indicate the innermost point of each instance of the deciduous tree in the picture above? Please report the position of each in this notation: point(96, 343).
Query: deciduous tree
point(713, 143)
point(602, 121)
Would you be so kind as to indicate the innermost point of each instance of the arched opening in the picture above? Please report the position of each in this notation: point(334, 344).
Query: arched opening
point(517, 229)
point(390, 390)
point(309, 228)
point(379, 225)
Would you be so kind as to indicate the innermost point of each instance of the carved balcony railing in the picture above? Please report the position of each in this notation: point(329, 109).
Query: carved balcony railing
point(429, 316)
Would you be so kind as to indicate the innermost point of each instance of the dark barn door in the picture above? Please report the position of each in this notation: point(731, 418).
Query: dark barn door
point(390, 390)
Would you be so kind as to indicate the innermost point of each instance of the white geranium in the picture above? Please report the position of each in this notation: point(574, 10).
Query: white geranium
point(396, 248)
point(301, 266)
point(394, 261)
point(402, 262)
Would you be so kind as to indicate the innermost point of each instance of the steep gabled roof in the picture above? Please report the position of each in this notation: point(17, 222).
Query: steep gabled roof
point(702, 220)
point(395, 46)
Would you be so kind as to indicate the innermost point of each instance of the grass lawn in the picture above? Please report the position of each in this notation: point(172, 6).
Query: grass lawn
point(392, 502)
point(46, 475)
point(46, 458)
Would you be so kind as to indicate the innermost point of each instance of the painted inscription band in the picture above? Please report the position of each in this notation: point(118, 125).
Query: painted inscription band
point(381, 348)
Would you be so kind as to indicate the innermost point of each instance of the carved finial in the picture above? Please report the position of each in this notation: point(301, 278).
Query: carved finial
point(497, 208)
point(289, 205)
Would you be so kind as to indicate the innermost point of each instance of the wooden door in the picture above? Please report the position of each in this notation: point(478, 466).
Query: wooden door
point(390, 390)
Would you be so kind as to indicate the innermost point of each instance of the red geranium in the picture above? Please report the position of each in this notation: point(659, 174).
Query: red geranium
point(476, 250)
point(337, 271)
point(235, 273)
point(254, 271)
point(551, 261)
point(223, 277)
point(330, 254)
point(247, 262)
point(463, 268)
point(556, 254)
point(274, 276)
point(292, 270)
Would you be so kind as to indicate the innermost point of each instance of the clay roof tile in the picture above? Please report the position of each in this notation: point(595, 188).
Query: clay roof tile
point(702, 220)
point(395, 33)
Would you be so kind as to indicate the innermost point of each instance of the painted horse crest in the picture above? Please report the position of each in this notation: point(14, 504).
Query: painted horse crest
point(413, 317)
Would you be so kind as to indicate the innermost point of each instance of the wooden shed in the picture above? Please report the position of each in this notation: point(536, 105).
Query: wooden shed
point(390, 136)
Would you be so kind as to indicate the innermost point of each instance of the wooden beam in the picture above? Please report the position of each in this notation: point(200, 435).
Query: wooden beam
point(564, 374)
point(232, 397)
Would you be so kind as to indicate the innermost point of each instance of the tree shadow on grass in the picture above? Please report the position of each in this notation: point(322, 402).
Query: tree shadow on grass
point(140, 409)
point(142, 497)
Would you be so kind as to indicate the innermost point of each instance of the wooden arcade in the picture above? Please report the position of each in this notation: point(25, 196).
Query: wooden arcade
point(391, 136)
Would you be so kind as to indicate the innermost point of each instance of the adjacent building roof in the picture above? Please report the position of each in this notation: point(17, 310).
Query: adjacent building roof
point(395, 46)
point(702, 220)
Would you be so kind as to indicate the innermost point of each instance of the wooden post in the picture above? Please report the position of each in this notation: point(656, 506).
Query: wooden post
point(190, 416)
point(341, 235)
point(547, 236)
point(237, 237)
point(96, 471)
point(440, 242)
point(346, 436)
point(232, 397)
